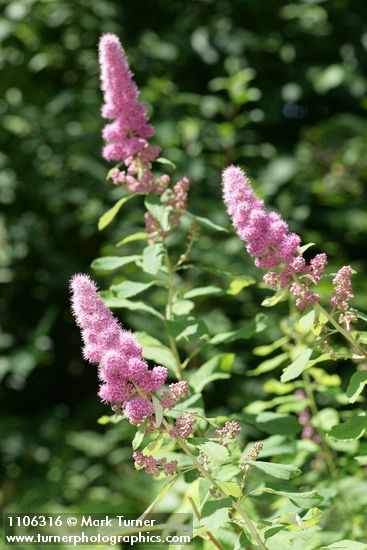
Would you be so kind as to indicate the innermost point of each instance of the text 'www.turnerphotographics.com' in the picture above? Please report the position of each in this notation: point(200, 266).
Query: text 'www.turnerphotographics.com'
point(112, 529)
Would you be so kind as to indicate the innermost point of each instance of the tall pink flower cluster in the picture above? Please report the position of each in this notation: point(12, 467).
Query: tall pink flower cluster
point(268, 240)
point(126, 380)
point(126, 137)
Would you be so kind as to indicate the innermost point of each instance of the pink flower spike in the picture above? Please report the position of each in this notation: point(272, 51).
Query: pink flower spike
point(127, 135)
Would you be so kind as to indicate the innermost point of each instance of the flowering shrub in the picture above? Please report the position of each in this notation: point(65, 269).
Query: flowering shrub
point(244, 492)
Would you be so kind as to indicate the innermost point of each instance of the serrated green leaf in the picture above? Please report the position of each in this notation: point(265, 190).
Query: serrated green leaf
point(215, 452)
point(110, 263)
point(202, 291)
point(302, 500)
point(230, 488)
point(153, 258)
point(353, 429)
point(276, 445)
point(356, 385)
point(110, 215)
point(139, 236)
point(215, 513)
point(297, 367)
point(279, 471)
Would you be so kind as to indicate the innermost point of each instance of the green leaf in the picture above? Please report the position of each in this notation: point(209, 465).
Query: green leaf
point(239, 283)
point(123, 303)
point(158, 210)
point(163, 160)
point(140, 236)
point(353, 429)
point(154, 446)
point(207, 373)
point(165, 489)
point(158, 411)
point(277, 424)
point(356, 385)
point(269, 364)
point(267, 349)
point(202, 291)
point(279, 471)
point(110, 263)
point(279, 296)
point(208, 224)
point(153, 258)
point(139, 435)
point(103, 420)
point(302, 500)
point(305, 247)
point(345, 545)
point(256, 325)
point(215, 513)
point(306, 321)
point(154, 350)
point(276, 445)
point(215, 452)
point(362, 460)
point(230, 488)
point(187, 330)
point(109, 216)
point(182, 307)
point(297, 367)
point(127, 289)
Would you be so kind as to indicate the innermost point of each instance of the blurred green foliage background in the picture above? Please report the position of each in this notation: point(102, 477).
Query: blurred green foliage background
point(278, 87)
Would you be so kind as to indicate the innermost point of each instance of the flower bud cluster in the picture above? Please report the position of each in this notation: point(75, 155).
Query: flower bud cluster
point(151, 465)
point(230, 431)
point(184, 426)
point(177, 200)
point(343, 294)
